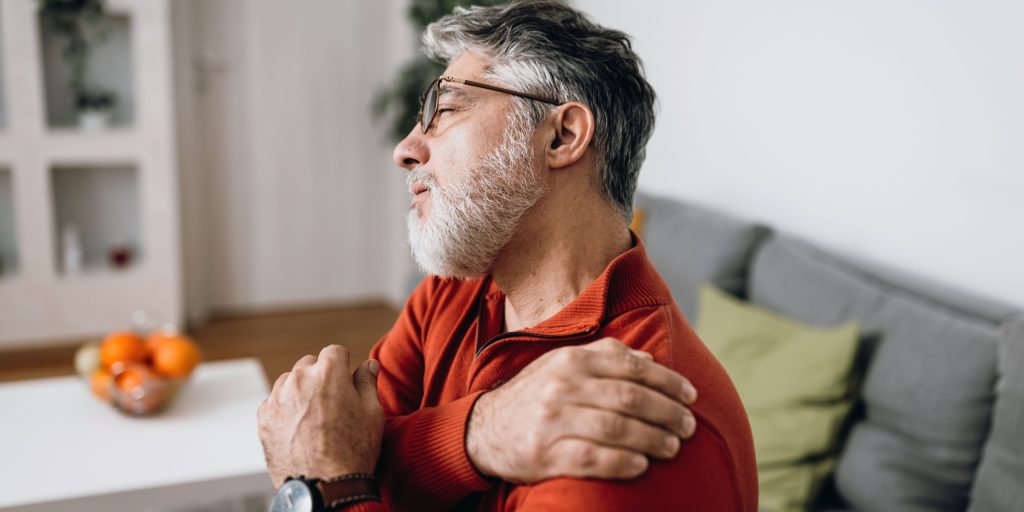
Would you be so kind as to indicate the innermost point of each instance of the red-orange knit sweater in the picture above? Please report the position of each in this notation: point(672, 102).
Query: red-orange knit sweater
point(447, 348)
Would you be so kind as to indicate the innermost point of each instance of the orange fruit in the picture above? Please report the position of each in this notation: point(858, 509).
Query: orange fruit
point(129, 379)
point(99, 383)
point(122, 347)
point(176, 357)
point(156, 338)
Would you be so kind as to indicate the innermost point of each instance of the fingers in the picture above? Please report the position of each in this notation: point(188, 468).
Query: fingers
point(642, 403)
point(338, 354)
point(279, 382)
point(365, 380)
point(582, 459)
point(614, 345)
point(304, 361)
point(618, 431)
point(626, 366)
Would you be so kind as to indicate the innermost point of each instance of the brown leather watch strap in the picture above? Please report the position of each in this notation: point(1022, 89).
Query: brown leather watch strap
point(347, 489)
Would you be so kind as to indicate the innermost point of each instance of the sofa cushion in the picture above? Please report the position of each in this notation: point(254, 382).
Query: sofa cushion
point(929, 388)
point(691, 245)
point(998, 484)
point(795, 384)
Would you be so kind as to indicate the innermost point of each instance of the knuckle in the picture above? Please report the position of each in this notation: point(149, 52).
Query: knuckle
point(554, 390)
point(635, 366)
point(533, 448)
point(612, 426)
point(630, 398)
point(568, 356)
point(584, 455)
point(334, 350)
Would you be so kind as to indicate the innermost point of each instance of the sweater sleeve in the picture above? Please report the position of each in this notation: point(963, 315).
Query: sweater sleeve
point(700, 477)
point(423, 462)
point(367, 506)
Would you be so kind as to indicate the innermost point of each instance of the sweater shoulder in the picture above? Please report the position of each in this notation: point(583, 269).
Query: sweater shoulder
point(663, 331)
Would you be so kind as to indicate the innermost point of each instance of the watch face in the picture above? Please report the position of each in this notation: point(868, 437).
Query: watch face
point(293, 496)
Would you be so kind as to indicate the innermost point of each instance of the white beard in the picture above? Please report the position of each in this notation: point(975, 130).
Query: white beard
point(472, 220)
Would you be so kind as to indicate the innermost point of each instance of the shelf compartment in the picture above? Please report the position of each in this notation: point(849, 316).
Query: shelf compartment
point(109, 68)
point(97, 220)
point(8, 231)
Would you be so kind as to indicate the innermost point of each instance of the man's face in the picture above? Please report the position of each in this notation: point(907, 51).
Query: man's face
point(472, 176)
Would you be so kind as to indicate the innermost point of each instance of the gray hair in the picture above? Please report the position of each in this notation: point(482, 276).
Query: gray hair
point(552, 50)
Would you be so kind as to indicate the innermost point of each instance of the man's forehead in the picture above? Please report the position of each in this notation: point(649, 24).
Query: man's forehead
point(469, 65)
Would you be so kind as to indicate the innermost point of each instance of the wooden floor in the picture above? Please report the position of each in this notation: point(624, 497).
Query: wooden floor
point(277, 340)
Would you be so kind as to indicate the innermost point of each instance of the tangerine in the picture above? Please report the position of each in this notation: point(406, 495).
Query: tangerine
point(129, 379)
point(176, 357)
point(122, 347)
point(99, 383)
point(156, 338)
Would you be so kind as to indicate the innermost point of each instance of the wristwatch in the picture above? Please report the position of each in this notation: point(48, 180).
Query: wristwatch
point(301, 494)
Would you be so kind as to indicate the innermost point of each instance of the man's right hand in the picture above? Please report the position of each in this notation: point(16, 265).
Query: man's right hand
point(596, 411)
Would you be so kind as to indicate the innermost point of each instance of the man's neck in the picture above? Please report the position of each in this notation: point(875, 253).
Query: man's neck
point(546, 267)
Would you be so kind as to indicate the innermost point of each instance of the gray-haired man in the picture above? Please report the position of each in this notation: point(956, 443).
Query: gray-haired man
point(541, 369)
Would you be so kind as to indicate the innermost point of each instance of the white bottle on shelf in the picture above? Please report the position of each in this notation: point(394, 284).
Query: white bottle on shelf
point(72, 245)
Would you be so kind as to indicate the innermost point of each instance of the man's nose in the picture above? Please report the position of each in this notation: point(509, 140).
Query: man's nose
point(412, 151)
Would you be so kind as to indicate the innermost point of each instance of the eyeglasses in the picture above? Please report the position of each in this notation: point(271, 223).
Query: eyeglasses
point(428, 100)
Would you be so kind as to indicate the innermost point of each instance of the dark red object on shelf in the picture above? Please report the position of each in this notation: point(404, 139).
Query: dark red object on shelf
point(120, 256)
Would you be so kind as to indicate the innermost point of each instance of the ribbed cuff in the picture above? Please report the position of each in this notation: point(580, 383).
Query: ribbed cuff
point(366, 506)
point(436, 450)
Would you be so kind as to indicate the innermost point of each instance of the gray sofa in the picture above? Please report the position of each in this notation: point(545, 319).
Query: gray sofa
point(940, 424)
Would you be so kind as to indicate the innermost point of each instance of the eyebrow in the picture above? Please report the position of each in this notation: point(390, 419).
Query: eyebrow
point(458, 92)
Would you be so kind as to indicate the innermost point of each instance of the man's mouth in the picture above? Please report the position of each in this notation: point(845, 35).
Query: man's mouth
point(419, 188)
point(419, 194)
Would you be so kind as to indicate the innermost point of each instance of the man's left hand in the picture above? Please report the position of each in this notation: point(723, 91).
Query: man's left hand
point(321, 420)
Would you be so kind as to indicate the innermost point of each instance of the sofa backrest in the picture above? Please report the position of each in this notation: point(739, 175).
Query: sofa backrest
point(691, 245)
point(943, 392)
point(930, 385)
point(999, 482)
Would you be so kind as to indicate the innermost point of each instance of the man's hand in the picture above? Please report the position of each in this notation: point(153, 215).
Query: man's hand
point(592, 411)
point(320, 420)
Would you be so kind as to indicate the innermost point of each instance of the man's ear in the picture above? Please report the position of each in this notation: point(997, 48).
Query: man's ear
point(573, 129)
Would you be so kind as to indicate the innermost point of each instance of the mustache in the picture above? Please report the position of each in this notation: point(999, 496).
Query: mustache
point(422, 177)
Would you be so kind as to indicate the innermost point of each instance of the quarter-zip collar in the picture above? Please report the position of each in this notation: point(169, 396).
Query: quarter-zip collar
point(628, 282)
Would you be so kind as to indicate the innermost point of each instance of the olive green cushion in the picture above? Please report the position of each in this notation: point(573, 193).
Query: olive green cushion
point(795, 383)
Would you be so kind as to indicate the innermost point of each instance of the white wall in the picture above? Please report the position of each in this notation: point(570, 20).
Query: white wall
point(290, 197)
point(891, 131)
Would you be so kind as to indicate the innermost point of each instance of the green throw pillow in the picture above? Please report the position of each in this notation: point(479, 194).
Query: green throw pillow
point(794, 381)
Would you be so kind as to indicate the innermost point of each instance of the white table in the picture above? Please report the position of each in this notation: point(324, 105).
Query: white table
point(63, 450)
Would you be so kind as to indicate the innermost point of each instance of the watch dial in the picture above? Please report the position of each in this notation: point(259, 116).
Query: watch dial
point(293, 496)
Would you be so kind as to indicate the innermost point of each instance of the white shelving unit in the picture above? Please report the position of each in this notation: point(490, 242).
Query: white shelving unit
point(126, 192)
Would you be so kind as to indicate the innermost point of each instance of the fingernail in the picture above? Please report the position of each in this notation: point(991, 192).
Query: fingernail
point(671, 444)
point(639, 461)
point(373, 366)
point(689, 392)
point(689, 425)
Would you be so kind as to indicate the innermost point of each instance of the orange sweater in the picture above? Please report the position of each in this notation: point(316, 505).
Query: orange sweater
point(447, 348)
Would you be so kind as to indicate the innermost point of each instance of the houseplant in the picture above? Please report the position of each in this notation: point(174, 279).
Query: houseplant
point(79, 26)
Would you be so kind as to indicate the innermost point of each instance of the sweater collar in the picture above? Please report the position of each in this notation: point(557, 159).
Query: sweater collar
point(628, 282)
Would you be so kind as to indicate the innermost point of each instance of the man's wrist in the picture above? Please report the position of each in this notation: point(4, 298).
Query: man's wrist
point(348, 489)
point(475, 446)
point(301, 494)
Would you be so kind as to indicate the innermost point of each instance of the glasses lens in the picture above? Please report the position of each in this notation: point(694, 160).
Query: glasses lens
point(429, 107)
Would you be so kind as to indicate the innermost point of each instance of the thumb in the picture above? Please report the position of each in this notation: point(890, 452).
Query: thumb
point(366, 382)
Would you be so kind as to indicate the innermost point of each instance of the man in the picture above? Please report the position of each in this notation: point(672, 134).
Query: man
point(540, 372)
